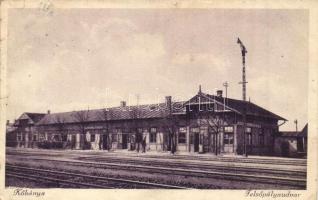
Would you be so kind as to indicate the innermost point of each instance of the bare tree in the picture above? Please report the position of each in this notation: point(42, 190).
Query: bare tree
point(170, 125)
point(215, 120)
point(82, 118)
point(105, 115)
point(135, 113)
point(61, 125)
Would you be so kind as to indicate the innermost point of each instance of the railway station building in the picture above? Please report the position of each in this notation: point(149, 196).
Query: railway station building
point(203, 124)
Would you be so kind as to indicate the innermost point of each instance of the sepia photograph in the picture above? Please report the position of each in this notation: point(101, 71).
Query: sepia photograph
point(156, 98)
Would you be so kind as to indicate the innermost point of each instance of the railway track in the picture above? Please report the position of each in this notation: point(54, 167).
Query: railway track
point(204, 166)
point(173, 171)
point(218, 167)
point(76, 180)
point(298, 162)
point(244, 160)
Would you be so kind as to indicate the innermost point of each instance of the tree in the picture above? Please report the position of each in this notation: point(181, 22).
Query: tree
point(170, 125)
point(82, 118)
point(215, 123)
point(105, 116)
point(135, 113)
point(61, 125)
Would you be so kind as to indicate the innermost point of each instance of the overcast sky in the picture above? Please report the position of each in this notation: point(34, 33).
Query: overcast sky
point(68, 59)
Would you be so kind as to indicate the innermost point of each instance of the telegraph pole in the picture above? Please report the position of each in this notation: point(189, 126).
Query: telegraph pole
point(243, 51)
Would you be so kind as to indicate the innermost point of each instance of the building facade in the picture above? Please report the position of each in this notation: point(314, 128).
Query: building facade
point(292, 143)
point(203, 124)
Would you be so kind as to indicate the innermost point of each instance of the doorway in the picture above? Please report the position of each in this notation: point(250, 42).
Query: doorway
point(73, 141)
point(105, 142)
point(125, 140)
point(228, 142)
point(196, 142)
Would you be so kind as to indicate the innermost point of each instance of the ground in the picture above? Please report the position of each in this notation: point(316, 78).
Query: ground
point(190, 171)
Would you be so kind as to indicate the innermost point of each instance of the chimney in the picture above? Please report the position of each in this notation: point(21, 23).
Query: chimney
point(48, 112)
point(168, 103)
point(219, 93)
point(8, 122)
point(123, 104)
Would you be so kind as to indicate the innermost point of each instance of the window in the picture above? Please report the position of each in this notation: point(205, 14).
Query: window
point(248, 131)
point(19, 136)
point(117, 130)
point(228, 138)
point(93, 137)
point(228, 129)
point(64, 137)
point(35, 138)
point(56, 138)
point(195, 130)
point(183, 129)
point(41, 137)
point(182, 135)
point(139, 130)
point(153, 135)
point(114, 137)
point(261, 138)
point(249, 138)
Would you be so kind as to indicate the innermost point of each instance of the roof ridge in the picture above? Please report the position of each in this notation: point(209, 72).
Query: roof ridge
point(97, 109)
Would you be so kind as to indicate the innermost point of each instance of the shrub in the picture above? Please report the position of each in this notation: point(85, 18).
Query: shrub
point(50, 145)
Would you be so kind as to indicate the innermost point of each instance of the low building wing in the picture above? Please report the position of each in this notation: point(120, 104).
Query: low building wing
point(116, 113)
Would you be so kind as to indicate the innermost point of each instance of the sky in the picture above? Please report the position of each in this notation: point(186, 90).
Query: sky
point(72, 59)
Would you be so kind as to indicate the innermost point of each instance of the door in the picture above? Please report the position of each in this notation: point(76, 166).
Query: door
point(285, 148)
point(212, 142)
point(228, 142)
point(196, 142)
point(105, 142)
point(73, 141)
point(125, 140)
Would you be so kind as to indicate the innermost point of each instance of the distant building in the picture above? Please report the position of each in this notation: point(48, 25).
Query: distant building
point(11, 136)
point(26, 129)
point(292, 143)
point(203, 124)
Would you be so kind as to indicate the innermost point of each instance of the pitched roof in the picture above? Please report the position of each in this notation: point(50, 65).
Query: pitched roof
point(116, 113)
point(32, 118)
point(236, 105)
point(149, 111)
point(251, 108)
point(36, 116)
